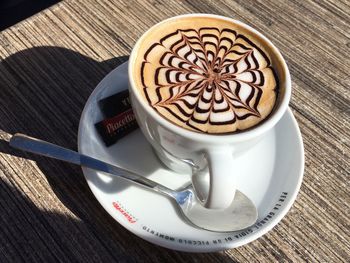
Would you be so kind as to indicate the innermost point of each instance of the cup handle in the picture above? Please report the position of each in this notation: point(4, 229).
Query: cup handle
point(222, 185)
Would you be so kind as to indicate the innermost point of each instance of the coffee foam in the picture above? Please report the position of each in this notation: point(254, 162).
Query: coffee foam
point(206, 74)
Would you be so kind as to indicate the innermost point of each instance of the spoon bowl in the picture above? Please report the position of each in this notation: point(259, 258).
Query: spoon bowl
point(241, 214)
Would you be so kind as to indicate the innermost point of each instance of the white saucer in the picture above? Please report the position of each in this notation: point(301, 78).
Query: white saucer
point(271, 174)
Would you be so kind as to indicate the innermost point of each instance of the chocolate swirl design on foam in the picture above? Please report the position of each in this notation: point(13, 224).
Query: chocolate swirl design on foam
point(206, 77)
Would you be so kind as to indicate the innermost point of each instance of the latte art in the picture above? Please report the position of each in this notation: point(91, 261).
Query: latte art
point(208, 79)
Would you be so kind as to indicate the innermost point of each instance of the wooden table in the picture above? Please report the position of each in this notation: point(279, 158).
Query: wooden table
point(51, 62)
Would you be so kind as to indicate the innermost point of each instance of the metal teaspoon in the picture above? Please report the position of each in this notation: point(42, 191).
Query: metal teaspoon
point(241, 214)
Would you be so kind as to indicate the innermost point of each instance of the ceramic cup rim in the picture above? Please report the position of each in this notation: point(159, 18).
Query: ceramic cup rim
point(244, 135)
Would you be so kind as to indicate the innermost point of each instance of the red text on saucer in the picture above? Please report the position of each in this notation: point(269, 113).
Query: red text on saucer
point(125, 213)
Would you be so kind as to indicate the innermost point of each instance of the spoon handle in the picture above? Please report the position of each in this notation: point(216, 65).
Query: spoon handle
point(33, 145)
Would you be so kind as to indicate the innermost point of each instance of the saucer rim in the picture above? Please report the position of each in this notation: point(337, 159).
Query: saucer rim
point(211, 248)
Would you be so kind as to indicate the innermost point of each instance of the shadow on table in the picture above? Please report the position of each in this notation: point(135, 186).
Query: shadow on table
point(31, 234)
point(43, 92)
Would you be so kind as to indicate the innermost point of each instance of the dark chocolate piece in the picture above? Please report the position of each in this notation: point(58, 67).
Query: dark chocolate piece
point(115, 128)
point(119, 118)
point(115, 104)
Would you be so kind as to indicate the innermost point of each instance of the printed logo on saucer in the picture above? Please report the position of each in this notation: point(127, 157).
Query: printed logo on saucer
point(128, 216)
point(227, 238)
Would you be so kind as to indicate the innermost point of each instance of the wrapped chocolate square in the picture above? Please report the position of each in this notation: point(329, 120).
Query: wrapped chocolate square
point(115, 104)
point(119, 118)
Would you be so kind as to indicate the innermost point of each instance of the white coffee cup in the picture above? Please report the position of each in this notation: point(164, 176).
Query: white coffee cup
point(179, 148)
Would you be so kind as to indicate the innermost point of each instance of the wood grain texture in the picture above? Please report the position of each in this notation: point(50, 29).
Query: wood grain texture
point(51, 62)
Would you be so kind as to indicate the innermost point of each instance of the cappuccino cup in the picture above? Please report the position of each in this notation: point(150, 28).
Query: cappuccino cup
point(204, 89)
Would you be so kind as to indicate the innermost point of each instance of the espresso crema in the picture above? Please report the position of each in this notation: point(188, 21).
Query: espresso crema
point(206, 74)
